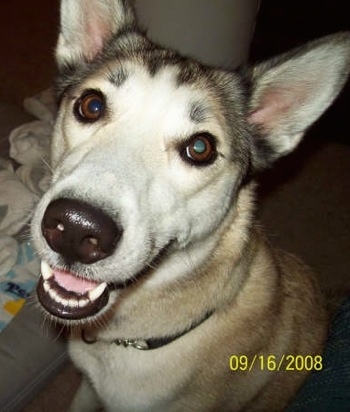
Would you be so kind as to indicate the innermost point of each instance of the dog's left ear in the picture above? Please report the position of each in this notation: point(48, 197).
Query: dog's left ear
point(291, 92)
point(86, 27)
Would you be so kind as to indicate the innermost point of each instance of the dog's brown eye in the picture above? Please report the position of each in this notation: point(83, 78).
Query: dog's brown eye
point(90, 107)
point(200, 150)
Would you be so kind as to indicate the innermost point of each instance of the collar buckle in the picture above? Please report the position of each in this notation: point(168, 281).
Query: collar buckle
point(133, 343)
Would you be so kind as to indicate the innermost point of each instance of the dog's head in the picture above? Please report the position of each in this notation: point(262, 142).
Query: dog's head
point(151, 151)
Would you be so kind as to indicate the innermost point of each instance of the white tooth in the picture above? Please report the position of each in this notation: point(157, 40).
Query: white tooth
point(94, 294)
point(73, 303)
point(64, 302)
point(53, 294)
point(46, 270)
point(60, 300)
point(83, 302)
point(46, 286)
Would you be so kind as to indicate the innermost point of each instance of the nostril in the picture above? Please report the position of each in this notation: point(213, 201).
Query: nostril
point(79, 231)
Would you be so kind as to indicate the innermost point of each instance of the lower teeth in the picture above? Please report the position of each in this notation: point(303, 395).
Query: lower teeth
point(71, 302)
point(66, 297)
point(68, 305)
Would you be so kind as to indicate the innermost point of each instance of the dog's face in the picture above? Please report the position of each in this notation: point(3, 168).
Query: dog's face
point(153, 155)
point(149, 154)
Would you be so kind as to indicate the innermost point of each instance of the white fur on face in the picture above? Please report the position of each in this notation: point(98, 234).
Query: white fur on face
point(128, 162)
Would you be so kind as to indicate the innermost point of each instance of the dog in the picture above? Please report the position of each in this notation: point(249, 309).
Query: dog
point(150, 249)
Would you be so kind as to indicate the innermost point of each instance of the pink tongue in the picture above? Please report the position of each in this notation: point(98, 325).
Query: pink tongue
point(72, 283)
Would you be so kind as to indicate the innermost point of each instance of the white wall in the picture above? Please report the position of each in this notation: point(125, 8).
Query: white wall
point(217, 32)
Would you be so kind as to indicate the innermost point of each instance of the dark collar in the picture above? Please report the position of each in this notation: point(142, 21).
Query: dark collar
point(148, 344)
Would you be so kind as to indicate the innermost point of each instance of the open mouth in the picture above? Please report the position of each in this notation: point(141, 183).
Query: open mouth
point(67, 296)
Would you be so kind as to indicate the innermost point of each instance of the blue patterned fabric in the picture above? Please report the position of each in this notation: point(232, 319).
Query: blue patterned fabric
point(17, 284)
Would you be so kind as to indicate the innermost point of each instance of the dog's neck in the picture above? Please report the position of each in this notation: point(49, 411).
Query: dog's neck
point(145, 344)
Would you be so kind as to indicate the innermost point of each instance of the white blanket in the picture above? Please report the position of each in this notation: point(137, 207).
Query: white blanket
point(20, 188)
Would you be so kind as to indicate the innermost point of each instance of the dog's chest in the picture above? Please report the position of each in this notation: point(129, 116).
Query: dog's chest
point(130, 379)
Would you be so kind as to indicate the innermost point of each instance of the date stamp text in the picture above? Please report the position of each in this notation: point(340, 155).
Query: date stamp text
point(276, 363)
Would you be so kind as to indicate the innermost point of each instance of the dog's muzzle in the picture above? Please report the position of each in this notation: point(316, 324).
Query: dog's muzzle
point(79, 233)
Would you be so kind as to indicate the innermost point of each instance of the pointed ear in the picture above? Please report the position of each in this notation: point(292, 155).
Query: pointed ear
point(86, 26)
point(291, 92)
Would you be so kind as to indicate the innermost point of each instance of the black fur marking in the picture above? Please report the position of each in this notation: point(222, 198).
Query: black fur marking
point(190, 72)
point(118, 77)
point(265, 155)
point(157, 58)
point(198, 113)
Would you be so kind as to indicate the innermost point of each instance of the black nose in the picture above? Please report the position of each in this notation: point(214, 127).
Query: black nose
point(78, 231)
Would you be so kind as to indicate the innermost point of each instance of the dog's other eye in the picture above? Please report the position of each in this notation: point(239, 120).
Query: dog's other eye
point(199, 150)
point(90, 106)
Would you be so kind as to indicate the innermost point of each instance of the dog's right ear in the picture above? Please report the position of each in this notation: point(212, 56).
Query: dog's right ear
point(86, 27)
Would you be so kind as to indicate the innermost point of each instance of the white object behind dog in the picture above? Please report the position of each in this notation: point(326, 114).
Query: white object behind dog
point(215, 32)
